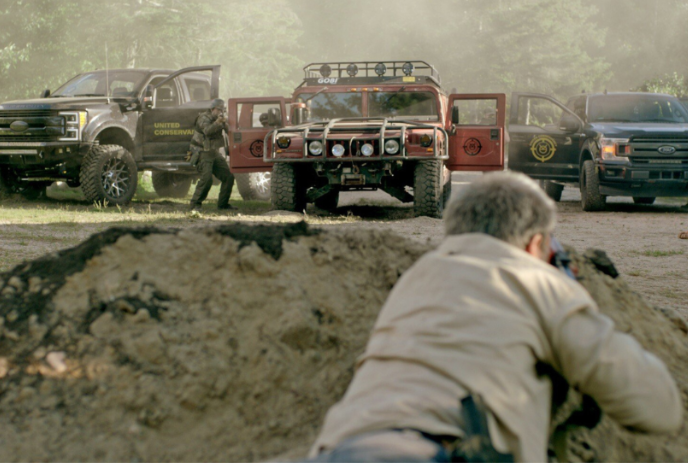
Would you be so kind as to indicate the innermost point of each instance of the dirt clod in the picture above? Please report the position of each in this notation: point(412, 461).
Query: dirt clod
point(230, 343)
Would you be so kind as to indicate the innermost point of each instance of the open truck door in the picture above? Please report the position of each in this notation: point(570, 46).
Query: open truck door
point(546, 138)
point(250, 120)
point(172, 104)
point(476, 131)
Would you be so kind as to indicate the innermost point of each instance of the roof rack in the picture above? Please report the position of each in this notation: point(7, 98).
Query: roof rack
point(371, 69)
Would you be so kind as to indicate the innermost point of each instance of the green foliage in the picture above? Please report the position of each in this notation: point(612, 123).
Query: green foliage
point(43, 43)
point(672, 84)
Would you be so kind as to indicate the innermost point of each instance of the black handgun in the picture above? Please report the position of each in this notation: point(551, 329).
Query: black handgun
point(476, 446)
point(560, 258)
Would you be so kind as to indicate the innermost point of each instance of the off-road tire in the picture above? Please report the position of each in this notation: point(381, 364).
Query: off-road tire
point(591, 199)
point(254, 186)
point(446, 188)
point(553, 190)
point(427, 189)
point(108, 175)
point(286, 190)
point(644, 199)
point(171, 185)
point(329, 201)
point(32, 191)
point(5, 190)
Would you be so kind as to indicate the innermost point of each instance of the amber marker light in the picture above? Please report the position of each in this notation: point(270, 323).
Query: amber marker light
point(284, 142)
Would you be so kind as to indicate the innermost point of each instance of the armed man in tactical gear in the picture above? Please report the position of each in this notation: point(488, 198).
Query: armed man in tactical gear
point(207, 139)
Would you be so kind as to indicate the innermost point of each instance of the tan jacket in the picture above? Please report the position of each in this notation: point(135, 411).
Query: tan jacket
point(477, 315)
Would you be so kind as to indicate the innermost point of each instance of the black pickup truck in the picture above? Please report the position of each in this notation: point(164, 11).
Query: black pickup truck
point(610, 144)
point(101, 128)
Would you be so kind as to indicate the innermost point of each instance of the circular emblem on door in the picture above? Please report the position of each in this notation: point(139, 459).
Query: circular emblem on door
point(19, 126)
point(543, 147)
point(257, 148)
point(472, 146)
point(666, 149)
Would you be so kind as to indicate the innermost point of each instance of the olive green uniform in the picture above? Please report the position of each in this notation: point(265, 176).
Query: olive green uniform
point(209, 139)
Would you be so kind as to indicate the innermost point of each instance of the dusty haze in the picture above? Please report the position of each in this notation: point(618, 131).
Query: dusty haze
point(551, 46)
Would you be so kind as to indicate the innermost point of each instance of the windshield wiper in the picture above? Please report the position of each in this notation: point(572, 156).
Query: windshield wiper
point(315, 94)
point(89, 94)
point(614, 120)
point(389, 98)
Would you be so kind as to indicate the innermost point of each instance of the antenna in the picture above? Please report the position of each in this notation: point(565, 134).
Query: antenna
point(107, 74)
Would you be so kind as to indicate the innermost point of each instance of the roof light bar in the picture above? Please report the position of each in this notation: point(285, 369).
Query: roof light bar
point(380, 69)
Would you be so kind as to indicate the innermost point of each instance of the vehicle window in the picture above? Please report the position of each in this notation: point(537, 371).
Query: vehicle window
point(165, 96)
point(477, 112)
point(577, 105)
point(326, 106)
point(199, 90)
point(539, 112)
point(636, 108)
point(96, 84)
point(259, 118)
point(414, 105)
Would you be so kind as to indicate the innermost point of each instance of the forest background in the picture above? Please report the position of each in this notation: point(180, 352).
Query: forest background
point(557, 47)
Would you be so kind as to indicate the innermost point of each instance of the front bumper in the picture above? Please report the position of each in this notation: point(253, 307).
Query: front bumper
point(377, 132)
point(27, 154)
point(643, 180)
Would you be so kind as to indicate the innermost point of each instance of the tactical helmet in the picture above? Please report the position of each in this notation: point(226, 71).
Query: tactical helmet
point(217, 103)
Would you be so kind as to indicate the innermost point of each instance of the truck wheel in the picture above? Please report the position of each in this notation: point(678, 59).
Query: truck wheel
point(108, 174)
point(643, 200)
point(447, 188)
point(427, 189)
point(286, 188)
point(171, 185)
point(553, 190)
point(32, 191)
point(591, 199)
point(5, 190)
point(254, 186)
point(328, 201)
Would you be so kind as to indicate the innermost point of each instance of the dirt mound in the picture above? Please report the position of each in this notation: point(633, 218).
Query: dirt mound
point(228, 343)
point(218, 344)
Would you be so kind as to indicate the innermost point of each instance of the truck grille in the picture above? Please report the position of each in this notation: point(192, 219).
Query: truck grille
point(39, 126)
point(646, 148)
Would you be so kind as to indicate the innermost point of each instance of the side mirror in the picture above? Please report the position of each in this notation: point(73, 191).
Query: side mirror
point(147, 102)
point(569, 123)
point(274, 117)
point(455, 114)
point(45, 93)
point(298, 113)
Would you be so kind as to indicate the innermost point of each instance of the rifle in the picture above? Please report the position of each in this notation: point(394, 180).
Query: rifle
point(476, 446)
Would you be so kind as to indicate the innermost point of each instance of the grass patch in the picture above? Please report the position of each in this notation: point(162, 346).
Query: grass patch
point(658, 253)
point(636, 273)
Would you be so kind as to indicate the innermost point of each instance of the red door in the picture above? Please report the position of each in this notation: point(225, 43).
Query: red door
point(250, 120)
point(476, 131)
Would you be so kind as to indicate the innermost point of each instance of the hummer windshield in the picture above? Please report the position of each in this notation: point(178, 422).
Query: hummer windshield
point(115, 83)
point(636, 108)
point(395, 104)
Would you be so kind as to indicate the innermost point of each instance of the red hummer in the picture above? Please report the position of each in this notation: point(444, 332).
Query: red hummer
point(366, 126)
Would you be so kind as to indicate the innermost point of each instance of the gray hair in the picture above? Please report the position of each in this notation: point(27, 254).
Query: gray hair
point(506, 205)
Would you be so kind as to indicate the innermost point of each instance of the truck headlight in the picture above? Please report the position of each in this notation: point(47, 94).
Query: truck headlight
point(338, 151)
point(391, 147)
point(425, 140)
point(75, 121)
point(614, 149)
point(367, 150)
point(315, 148)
